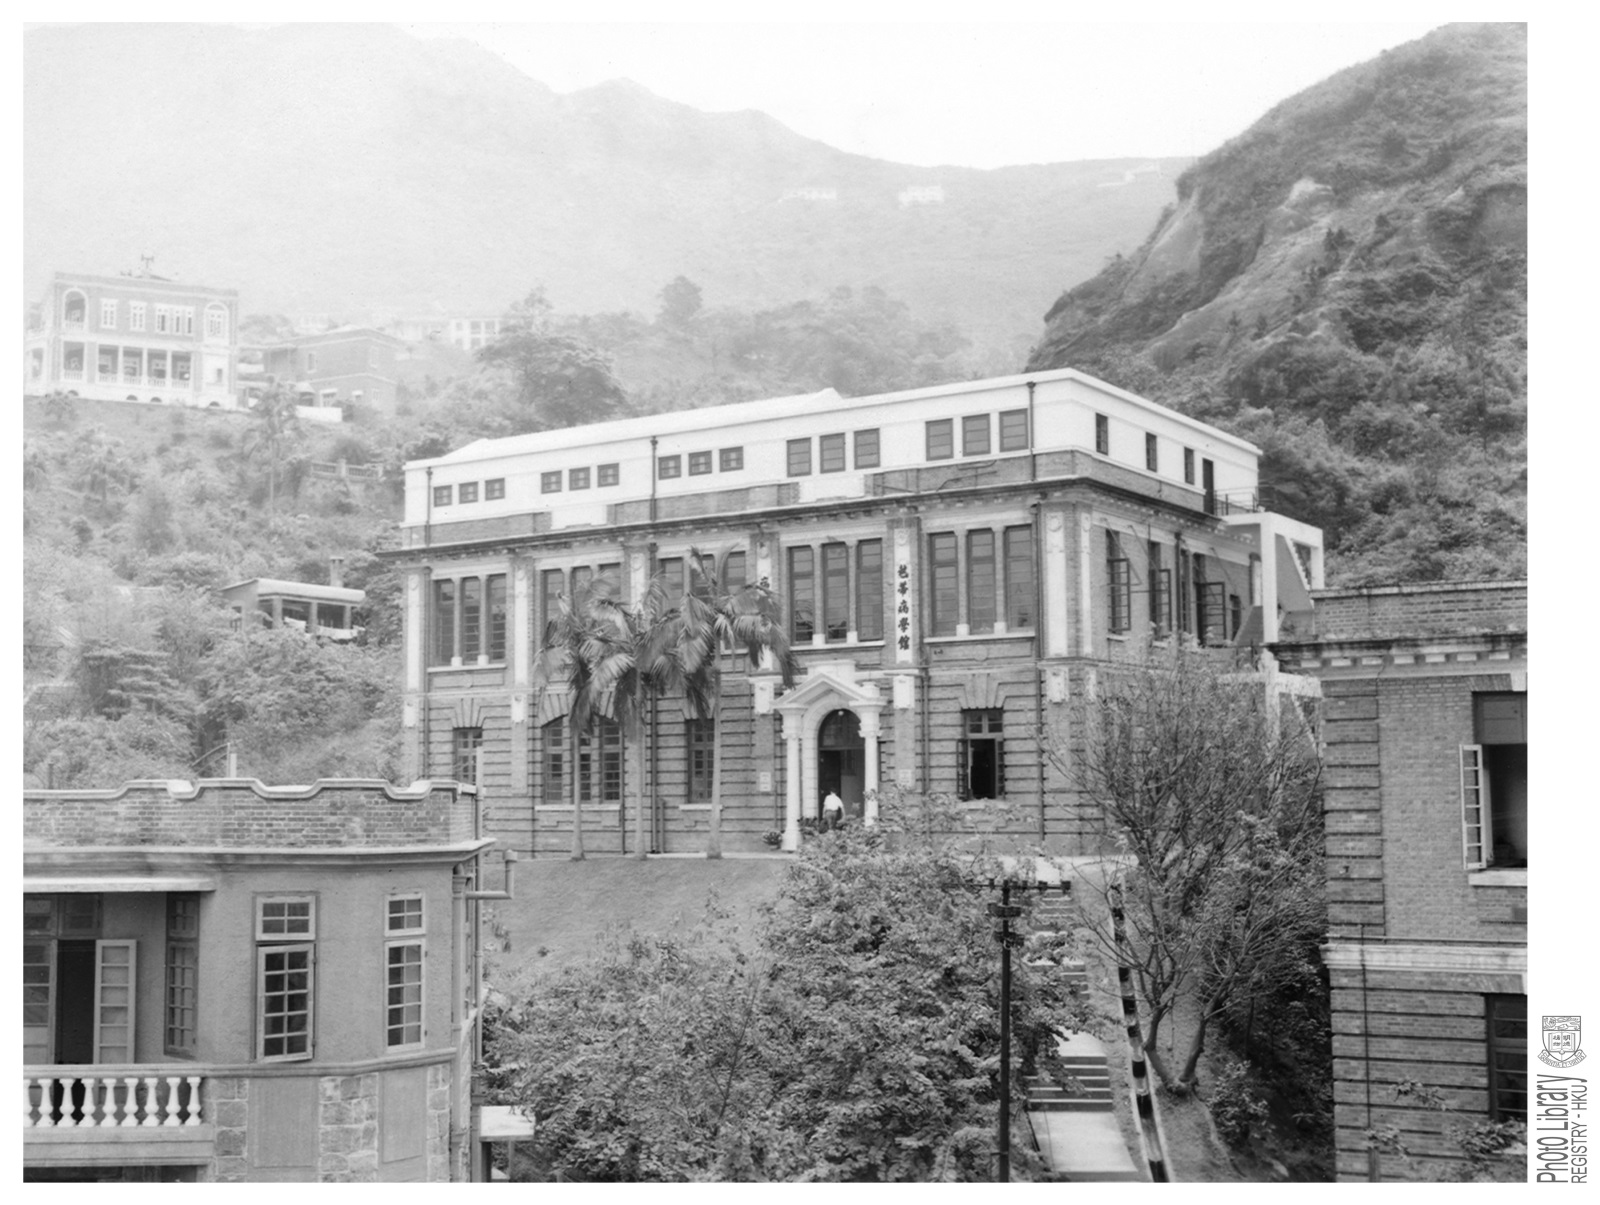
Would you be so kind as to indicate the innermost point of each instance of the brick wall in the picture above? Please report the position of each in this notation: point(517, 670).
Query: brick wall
point(1455, 608)
point(234, 812)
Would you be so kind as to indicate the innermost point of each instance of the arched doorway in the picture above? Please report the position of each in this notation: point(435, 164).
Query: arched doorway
point(841, 762)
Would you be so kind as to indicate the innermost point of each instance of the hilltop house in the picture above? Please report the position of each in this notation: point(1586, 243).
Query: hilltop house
point(954, 564)
point(1425, 695)
point(346, 364)
point(133, 338)
point(224, 981)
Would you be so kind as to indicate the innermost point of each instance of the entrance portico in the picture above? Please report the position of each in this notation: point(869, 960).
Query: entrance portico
point(827, 687)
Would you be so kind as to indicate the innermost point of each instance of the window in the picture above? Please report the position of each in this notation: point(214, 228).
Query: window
point(1117, 574)
point(495, 603)
point(1150, 461)
point(869, 590)
point(1021, 589)
point(311, 361)
point(1102, 435)
point(668, 467)
point(136, 315)
point(404, 915)
point(670, 571)
point(1188, 466)
point(980, 758)
point(1507, 1023)
point(1494, 783)
point(494, 489)
point(444, 622)
point(1210, 600)
point(799, 457)
point(975, 435)
point(553, 738)
point(867, 449)
point(182, 365)
point(163, 319)
point(106, 363)
point(836, 590)
point(285, 970)
point(1235, 614)
point(733, 572)
point(830, 453)
point(577, 479)
point(608, 474)
point(471, 635)
point(550, 483)
point(403, 994)
point(730, 460)
point(182, 986)
point(942, 563)
point(940, 439)
point(600, 762)
point(108, 314)
point(464, 746)
point(981, 581)
point(441, 494)
point(1014, 431)
point(469, 491)
point(216, 322)
point(700, 737)
point(183, 319)
point(802, 595)
point(699, 464)
point(551, 586)
point(1160, 594)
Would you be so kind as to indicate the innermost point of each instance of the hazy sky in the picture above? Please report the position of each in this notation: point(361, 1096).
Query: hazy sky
point(972, 94)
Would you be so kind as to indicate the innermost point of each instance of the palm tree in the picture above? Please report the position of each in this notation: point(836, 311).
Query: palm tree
point(280, 426)
point(711, 622)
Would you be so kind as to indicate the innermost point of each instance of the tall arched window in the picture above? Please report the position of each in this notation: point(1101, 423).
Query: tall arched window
point(73, 308)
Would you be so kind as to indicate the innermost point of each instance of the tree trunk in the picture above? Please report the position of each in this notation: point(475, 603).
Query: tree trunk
point(577, 788)
point(641, 834)
point(1197, 1045)
point(714, 835)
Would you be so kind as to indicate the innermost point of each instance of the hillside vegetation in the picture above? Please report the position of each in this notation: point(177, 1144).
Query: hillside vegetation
point(1345, 284)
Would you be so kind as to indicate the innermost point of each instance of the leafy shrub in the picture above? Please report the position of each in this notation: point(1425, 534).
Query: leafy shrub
point(1236, 1105)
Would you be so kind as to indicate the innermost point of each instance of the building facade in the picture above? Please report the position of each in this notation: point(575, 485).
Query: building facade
point(954, 562)
point(347, 364)
point(133, 338)
point(224, 981)
point(1425, 696)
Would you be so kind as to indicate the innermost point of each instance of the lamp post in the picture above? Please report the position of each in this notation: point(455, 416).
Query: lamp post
point(1005, 912)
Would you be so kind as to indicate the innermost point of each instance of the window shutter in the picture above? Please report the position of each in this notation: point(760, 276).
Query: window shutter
point(113, 1001)
point(963, 786)
point(999, 767)
point(1475, 817)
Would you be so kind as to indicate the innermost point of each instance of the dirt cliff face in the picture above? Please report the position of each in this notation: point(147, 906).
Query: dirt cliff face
point(1357, 261)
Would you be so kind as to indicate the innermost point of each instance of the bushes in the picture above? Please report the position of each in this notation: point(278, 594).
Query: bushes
point(1235, 1104)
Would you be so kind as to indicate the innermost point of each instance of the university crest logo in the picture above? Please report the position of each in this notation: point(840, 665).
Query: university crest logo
point(1561, 1037)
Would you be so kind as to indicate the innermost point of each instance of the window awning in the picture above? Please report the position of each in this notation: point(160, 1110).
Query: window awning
point(117, 884)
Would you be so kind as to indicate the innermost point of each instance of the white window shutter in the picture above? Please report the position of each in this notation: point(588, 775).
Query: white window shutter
point(1477, 826)
point(114, 989)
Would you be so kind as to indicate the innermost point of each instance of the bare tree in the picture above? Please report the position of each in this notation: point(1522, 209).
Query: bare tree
point(1207, 785)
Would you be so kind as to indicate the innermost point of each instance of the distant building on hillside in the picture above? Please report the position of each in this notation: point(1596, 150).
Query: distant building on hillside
point(347, 364)
point(133, 338)
point(1425, 698)
point(329, 611)
point(922, 194)
point(224, 981)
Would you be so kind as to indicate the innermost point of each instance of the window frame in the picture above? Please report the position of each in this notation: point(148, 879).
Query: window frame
point(1188, 466)
point(797, 457)
point(443, 496)
point(467, 492)
point(1012, 439)
point(976, 430)
point(405, 1006)
point(700, 464)
point(981, 725)
point(551, 482)
point(939, 439)
point(494, 489)
point(180, 982)
point(607, 475)
point(834, 580)
point(700, 759)
point(797, 576)
point(108, 305)
point(286, 949)
point(405, 897)
point(1119, 584)
point(869, 602)
point(1102, 434)
point(465, 741)
point(669, 468)
point(944, 620)
point(309, 898)
point(983, 609)
point(1021, 588)
point(1152, 459)
point(831, 453)
point(1495, 1045)
point(136, 315)
point(730, 460)
point(554, 789)
point(867, 449)
point(578, 478)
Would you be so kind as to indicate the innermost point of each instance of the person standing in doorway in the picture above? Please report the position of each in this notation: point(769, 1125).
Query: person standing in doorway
point(832, 810)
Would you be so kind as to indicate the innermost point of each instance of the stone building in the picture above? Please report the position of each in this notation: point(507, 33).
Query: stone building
point(225, 981)
point(1425, 697)
point(953, 562)
point(133, 338)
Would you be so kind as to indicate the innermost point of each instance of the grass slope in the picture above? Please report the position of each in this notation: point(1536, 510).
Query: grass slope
point(563, 907)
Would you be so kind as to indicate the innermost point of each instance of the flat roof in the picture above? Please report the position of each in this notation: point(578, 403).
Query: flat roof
point(272, 586)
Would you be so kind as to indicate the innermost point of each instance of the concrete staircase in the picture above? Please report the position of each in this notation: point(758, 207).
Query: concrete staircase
point(1075, 1123)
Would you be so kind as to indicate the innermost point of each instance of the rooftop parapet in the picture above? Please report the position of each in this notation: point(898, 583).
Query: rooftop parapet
point(1421, 609)
point(243, 813)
